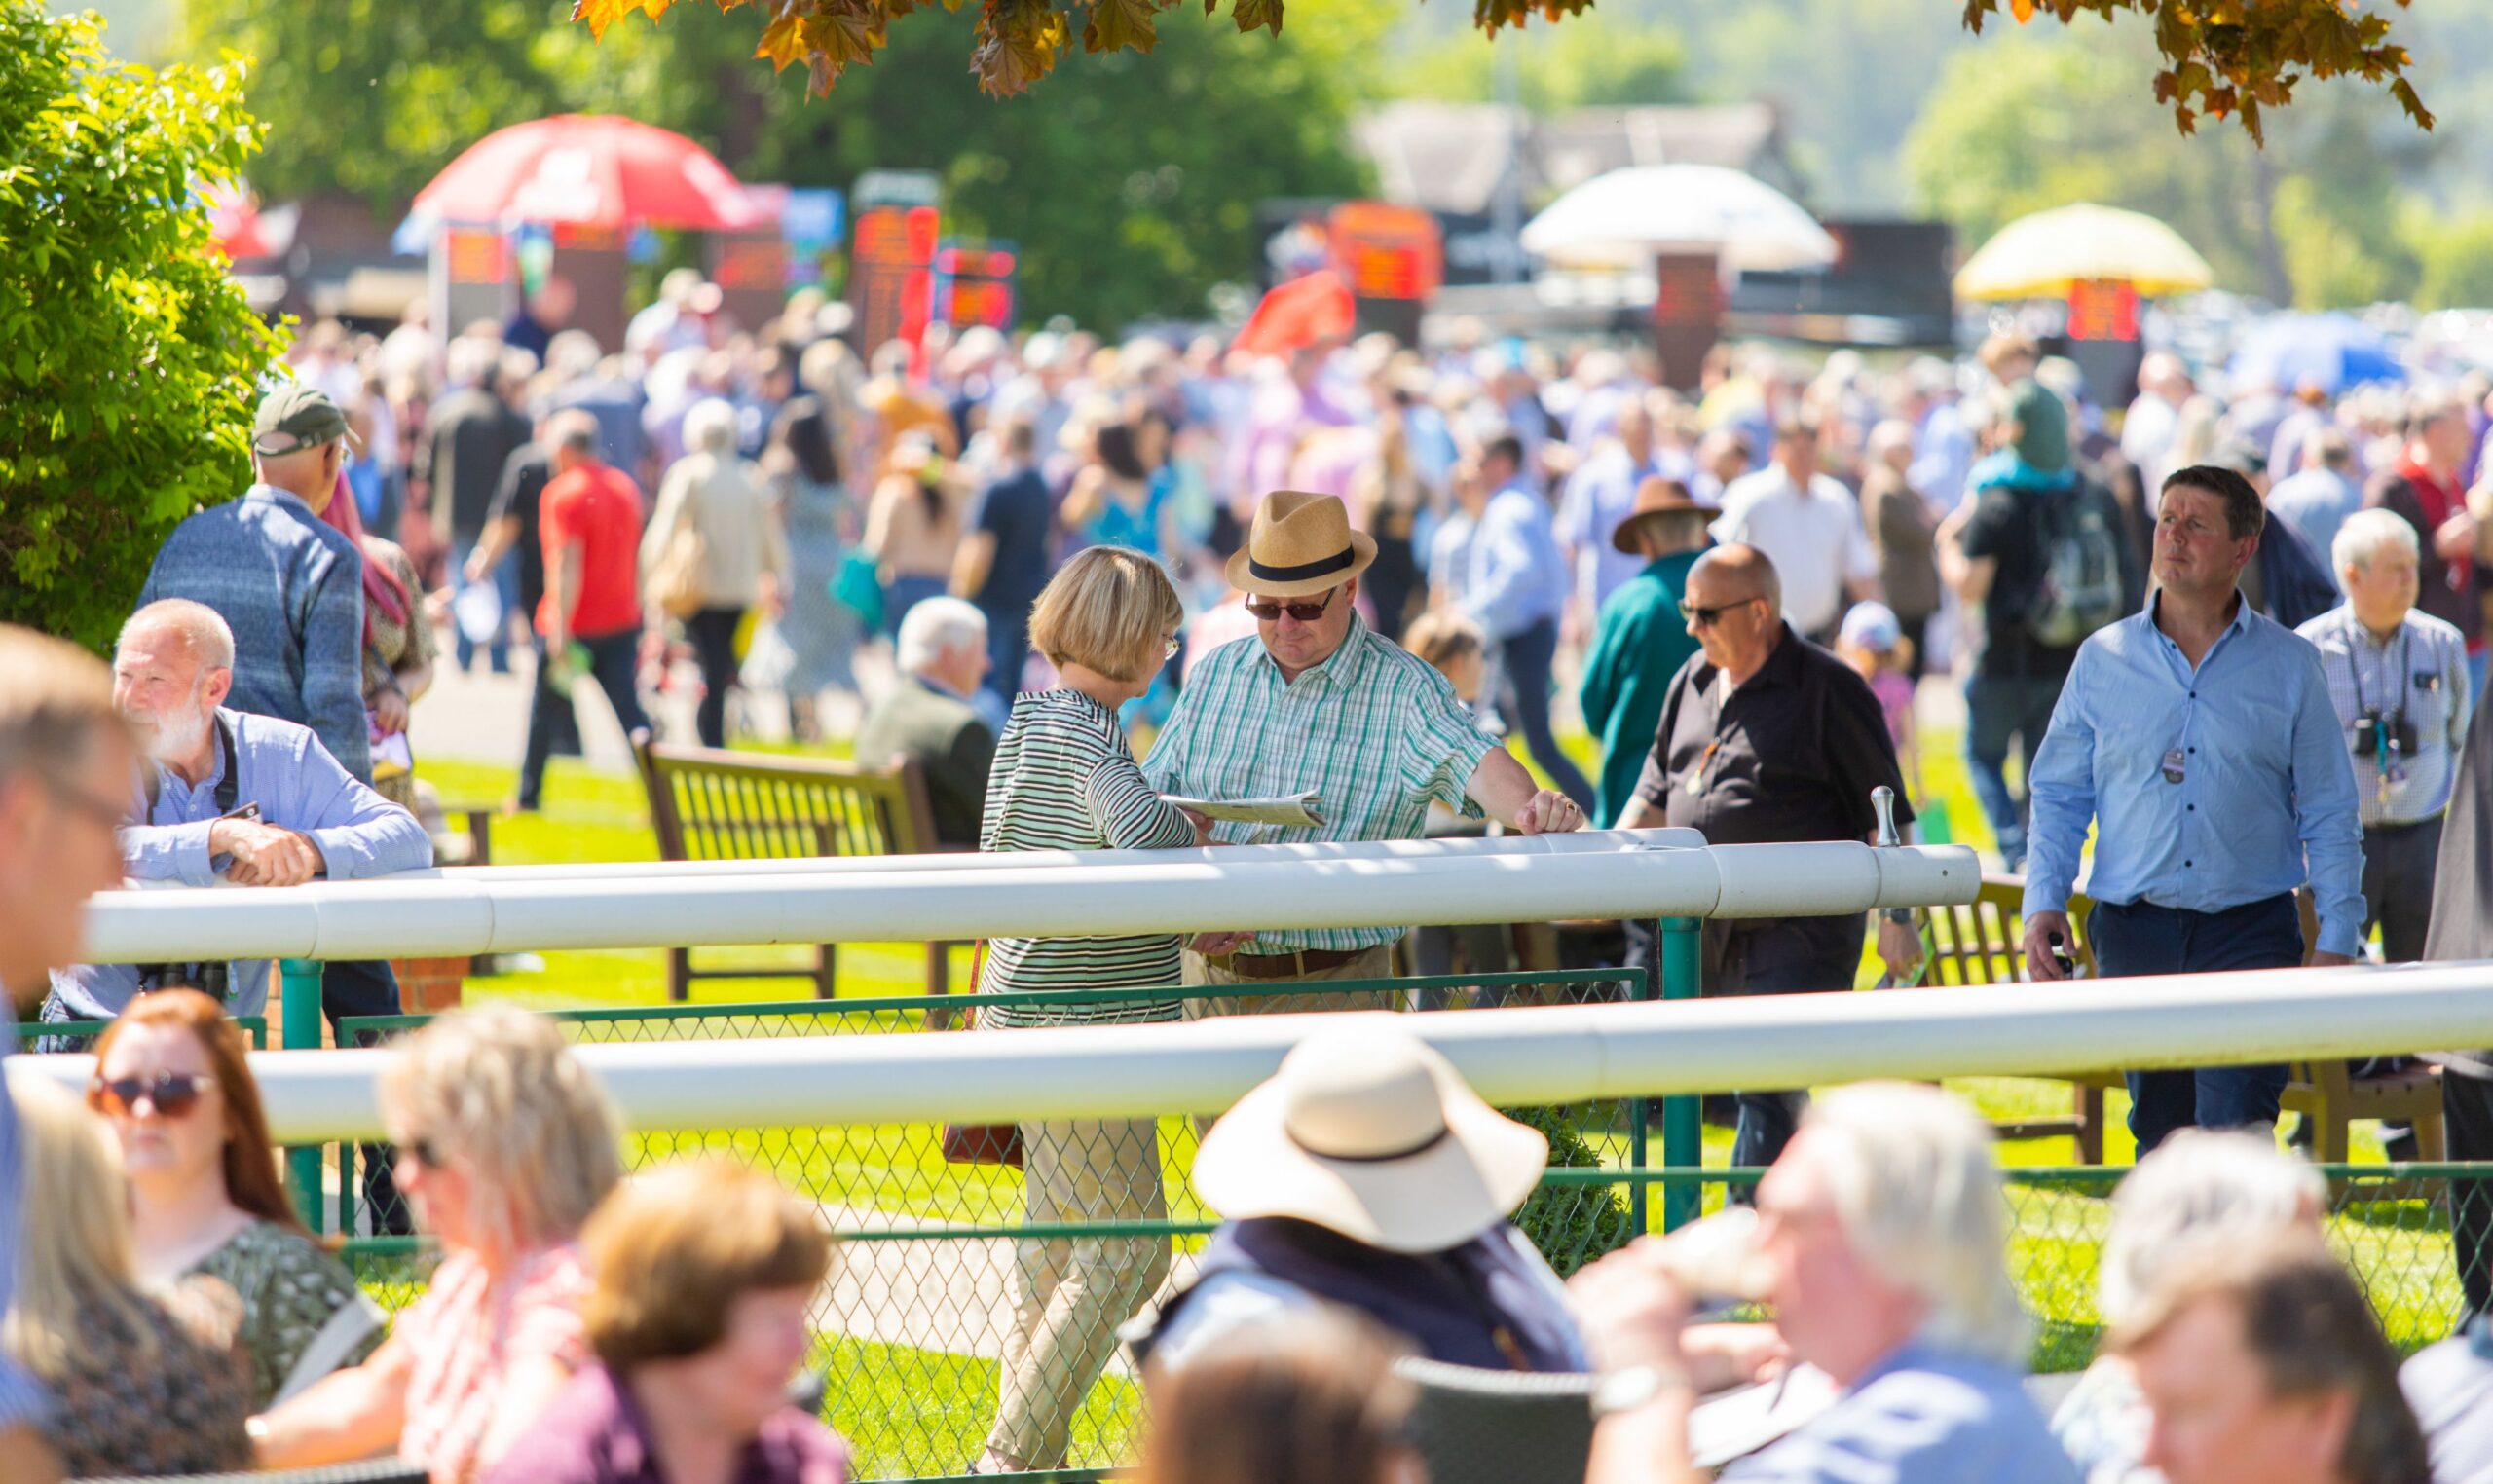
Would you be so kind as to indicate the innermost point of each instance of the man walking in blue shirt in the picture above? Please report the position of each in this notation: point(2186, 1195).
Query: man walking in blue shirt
point(2199, 738)
point(1516, 588)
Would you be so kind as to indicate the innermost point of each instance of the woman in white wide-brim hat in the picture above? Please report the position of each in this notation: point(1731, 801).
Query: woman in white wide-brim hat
point(1366, 1174)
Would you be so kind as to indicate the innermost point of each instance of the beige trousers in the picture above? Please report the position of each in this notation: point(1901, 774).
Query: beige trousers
point(1376, 963)
point(1069, 1296)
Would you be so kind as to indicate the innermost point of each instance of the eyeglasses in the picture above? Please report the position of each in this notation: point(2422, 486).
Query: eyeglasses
point(1705, 618)
point(1267, 611)
point(172, 1095)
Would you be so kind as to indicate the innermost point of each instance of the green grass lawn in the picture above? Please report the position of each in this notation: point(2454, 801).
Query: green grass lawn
point(913, 1411)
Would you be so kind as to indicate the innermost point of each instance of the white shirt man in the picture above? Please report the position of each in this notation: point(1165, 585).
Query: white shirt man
point(1809, 525)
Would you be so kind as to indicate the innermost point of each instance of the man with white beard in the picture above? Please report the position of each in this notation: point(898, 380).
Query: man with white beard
point(225, 796)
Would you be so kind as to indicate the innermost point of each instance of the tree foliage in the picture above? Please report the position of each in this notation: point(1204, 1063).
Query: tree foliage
point(1599, 62)
point(2223, 59)
point(129, 358)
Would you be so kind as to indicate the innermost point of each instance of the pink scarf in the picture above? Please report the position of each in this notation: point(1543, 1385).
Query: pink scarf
point(382, 589)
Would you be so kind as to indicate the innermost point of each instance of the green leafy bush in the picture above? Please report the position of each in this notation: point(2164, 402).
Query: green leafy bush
point(129, 358)
point(1571, 1224)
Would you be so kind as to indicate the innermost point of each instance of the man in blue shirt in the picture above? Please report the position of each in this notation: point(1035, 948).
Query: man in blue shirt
point(1003, 562)
point(1881, 1245)
point(289, 584)
point(2199, 738)
point(64, 761)
point(1516, 588)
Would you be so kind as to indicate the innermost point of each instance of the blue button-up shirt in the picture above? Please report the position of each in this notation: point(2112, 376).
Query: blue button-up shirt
point(298, 786)
point(290, 585)
point(1517, 575)
point(1922, 1415)
point(24, 1401)
point(2266, 796)
point(1599, 495)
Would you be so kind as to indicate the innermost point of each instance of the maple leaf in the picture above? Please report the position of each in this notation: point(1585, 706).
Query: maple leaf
point(2022, 10)
point(601, 13)
point(1252, 15)
point(1116, 25)
point(1018, 41)
point(783, 40)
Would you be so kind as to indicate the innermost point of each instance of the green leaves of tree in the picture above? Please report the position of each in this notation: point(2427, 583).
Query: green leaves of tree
point(132, 359)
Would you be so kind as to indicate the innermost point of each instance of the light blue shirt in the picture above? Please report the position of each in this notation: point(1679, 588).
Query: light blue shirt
point(2318, 502)
point(2266, 798)
point(1598, 497)
point(1922, 1415)
point(298, 786)
point(24, 1401)
point(1517, 575)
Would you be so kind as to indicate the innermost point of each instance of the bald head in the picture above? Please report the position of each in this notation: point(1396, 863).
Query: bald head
point(1737, 573)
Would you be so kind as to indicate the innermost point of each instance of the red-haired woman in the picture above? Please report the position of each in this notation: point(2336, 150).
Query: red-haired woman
point(171, 1078)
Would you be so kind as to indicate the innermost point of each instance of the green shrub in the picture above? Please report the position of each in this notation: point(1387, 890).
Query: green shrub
point(1571, 1224)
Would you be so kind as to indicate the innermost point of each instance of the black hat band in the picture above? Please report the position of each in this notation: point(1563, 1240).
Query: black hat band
point(1304, 570)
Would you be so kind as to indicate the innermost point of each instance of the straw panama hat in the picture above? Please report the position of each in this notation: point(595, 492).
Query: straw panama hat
point(1302, 544)
point(1368, 1131)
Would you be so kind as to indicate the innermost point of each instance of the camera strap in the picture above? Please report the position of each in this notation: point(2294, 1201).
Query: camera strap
point(2405, 672)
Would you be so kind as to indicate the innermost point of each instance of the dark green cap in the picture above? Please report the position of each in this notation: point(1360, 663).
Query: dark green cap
point(296, 416)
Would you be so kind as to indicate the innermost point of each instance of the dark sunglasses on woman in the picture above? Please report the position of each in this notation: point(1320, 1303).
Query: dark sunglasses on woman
point(171, 1094)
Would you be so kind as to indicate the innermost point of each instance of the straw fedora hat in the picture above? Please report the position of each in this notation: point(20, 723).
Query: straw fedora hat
point(1301, 545)
point(1367, 1132)
point(1656, 497)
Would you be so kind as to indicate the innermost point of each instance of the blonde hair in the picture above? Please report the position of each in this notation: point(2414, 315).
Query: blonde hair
point(1110, 609)
point(2201, 1188)
point(1443, 638)
point(500, 1089)
point(674, 1248)
point(77, 1261)
point(1917, 1191)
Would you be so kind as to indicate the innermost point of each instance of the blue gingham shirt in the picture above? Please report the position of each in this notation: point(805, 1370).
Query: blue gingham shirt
point(22, 1399)
point(290, 585)
point(2266, 799)
point(298, 786)
point(2421, 672)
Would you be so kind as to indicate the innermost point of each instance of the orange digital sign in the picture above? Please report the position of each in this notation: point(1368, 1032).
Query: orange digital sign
point(1387, 251)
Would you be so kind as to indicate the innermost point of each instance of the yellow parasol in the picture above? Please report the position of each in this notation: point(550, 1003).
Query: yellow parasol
point(2039, 256)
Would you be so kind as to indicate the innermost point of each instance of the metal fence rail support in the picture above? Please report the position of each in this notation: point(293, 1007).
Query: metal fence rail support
point(1683, 1124)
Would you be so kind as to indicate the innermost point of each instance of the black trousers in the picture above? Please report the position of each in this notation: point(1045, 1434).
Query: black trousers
point(2467, 1112)
point(2133, 938)
point(713, 632)
point(359, 989)
point(2397, 885)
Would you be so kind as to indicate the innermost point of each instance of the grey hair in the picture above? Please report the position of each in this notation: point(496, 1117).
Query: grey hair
point(2365, 533)
point(710, 427)
point(202, 628)
point(1916, 1189)
point(470, 361)
point(933, 626)
point(2201, 1189)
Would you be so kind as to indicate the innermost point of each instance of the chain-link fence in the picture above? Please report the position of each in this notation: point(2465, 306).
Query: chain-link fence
point(953, 1277)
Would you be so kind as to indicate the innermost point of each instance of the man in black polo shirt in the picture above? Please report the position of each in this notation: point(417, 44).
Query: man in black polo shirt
point(1767, 739)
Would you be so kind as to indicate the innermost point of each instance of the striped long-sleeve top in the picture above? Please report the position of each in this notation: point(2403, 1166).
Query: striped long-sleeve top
point(1064, 780)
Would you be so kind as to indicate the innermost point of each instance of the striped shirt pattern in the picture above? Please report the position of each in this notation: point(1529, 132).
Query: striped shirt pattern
point(1064, 779)
point(2423, 670)
point(1375, 731)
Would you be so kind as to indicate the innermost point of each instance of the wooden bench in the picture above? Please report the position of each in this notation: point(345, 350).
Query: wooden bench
point(709, 804)
point(1983, 944)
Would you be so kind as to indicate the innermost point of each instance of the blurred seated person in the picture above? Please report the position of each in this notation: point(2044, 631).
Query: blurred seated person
point(706, 1272)
point(1366, 1175)
point(505, 1145)
point(2198, 1189)
point(932, 717)
point(1309, 1397)
point(2263, 1363)
point(1881, 1248)
point(139, 1382)
point(172, 1080)
point(2450, 1387)
point(227, 794)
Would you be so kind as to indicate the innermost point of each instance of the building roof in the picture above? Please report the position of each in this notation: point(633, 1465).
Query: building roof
point(1453, 157)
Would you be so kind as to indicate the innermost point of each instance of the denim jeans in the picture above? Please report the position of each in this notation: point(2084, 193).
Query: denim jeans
point(505, 580)
point(2141, 937)
point(1998, 709)
point(1527, 661)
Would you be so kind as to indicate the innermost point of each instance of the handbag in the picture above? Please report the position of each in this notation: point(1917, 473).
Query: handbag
point(676, 587)
point(859, 588)
point(980, 1143)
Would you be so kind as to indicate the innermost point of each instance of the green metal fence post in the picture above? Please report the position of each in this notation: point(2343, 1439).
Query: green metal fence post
point(301, 980)
point(1683, 1133)
point(1641, 987)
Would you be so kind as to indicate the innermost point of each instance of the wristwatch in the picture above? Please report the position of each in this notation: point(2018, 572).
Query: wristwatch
point(1624, 1391)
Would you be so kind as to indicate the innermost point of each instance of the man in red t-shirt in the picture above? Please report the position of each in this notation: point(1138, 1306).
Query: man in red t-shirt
point(589, 523)
point(2423, 488)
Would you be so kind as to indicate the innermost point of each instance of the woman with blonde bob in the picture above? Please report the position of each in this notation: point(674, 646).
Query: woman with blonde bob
point(505, 1145)
point(706, 1273)
point(140, 1382)
point(1064, 779)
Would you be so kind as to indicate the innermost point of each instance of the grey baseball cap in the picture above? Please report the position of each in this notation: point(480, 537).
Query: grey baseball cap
point(296, 416)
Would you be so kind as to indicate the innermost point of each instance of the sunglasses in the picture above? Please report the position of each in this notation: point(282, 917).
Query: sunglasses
point(172, 1095)
point(1705, 618)
point(1268, 612)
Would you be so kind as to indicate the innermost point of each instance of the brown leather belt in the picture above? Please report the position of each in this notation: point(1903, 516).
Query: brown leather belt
point(1296, 965)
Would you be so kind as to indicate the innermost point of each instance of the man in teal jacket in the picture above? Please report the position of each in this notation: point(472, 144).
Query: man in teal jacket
point(1641, 639)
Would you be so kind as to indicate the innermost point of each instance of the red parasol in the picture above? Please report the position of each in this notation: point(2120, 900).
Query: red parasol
point(234, 222)
point(589, 171)
point(1301, 313)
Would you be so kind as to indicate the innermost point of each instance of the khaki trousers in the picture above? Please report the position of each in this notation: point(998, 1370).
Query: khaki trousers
point(1376, 963)
point(1069, 1296)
